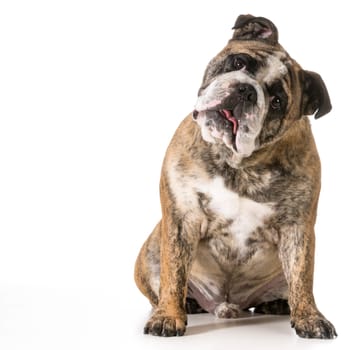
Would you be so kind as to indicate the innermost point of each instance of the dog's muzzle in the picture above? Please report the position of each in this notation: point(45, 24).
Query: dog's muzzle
point(234, 107)
point(230, 110)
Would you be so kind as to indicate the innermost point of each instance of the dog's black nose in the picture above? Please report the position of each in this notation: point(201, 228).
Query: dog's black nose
point(247, 93)
point(195, 114)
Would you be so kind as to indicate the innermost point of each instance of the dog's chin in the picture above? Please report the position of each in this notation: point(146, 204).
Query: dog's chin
point(217, 128)
point(221, 127)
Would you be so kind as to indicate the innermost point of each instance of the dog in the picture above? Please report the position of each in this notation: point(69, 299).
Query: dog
point(239, 191)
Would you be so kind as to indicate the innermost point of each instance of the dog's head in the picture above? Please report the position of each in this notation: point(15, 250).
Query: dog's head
point(253, 91)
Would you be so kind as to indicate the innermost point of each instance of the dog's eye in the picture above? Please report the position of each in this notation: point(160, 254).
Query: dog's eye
point(239, 63)
point(276, 102)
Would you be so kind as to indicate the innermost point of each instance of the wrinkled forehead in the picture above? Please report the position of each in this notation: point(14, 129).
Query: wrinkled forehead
point(273, 62)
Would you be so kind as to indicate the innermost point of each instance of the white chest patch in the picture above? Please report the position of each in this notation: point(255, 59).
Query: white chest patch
point(246, 215)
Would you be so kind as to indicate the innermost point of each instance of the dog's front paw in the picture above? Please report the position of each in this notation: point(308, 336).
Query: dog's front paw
point(314, 326)
point(165, 325)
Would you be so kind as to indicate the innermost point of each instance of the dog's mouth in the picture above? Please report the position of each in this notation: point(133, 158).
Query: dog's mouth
point(222, 124)
point(236, 127)
point(227, 114)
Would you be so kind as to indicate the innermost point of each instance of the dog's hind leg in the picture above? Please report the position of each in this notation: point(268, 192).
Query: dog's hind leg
point(275, 307)
point(147, 267)
point(193, 307)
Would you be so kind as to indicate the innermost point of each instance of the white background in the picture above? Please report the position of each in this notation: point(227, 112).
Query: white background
point(90, 95)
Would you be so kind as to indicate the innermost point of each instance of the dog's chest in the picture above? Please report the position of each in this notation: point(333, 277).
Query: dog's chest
point(232, 219)
point(227, 220)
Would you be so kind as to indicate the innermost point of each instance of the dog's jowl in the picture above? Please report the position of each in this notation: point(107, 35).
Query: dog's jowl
point(239, 192)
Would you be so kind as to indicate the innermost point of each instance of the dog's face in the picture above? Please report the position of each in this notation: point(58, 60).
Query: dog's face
point(252, 91)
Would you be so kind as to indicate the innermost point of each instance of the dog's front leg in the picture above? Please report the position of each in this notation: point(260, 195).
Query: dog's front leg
point(296, 251)
point(178, 244)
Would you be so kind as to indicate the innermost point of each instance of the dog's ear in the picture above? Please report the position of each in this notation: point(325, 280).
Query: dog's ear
point(248, 27)
point(315, 98)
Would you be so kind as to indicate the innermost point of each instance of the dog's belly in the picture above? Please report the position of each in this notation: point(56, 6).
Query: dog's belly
point(217, 279)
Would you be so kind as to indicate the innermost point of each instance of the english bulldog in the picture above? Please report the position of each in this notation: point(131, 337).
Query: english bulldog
point(239, 190)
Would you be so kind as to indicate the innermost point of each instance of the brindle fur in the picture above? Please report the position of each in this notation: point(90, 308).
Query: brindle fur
point(283, 170)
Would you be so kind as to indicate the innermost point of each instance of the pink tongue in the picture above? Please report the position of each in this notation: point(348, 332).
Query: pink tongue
point(230, 117)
